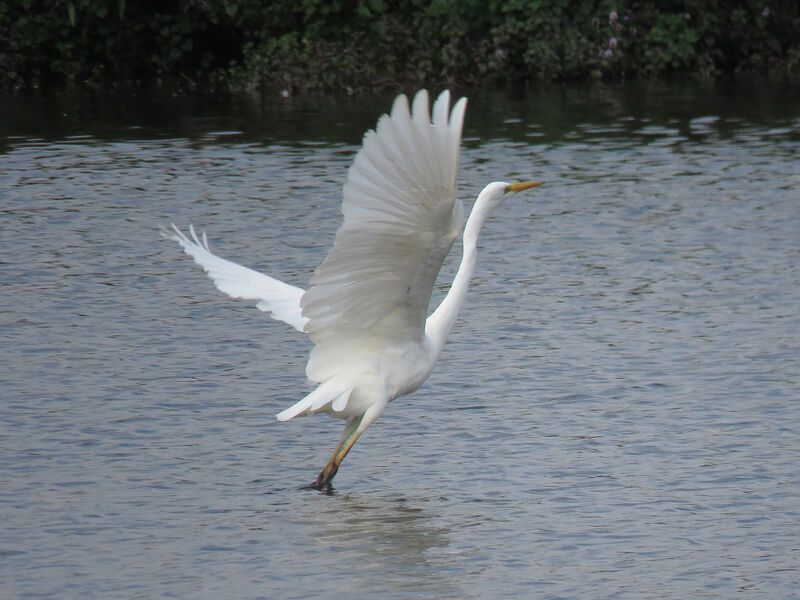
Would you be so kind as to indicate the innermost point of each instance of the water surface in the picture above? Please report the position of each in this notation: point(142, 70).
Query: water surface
point(614, 416)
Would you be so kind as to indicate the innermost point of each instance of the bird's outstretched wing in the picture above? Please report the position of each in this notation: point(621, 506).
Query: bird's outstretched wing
point(279, 299)
point(401, 217)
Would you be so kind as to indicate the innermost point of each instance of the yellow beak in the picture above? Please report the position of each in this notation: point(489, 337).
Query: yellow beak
point(518, 187)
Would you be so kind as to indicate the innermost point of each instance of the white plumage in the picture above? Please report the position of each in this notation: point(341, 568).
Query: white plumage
point(279, 299)
point(367, 308)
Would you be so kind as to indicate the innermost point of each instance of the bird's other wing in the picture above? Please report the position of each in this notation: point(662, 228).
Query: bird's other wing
point(279, 299)
point(401, 217)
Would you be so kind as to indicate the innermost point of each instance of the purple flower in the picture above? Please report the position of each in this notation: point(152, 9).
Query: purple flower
point(612, 16)
point(687, 16)
point(765, 12)
point(499, 54)
point(608, 54)
point(612, 43)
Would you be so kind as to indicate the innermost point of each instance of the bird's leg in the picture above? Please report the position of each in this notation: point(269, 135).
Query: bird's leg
point(352, 431)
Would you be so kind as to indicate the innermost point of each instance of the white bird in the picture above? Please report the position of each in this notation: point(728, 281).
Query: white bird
point(367, 308)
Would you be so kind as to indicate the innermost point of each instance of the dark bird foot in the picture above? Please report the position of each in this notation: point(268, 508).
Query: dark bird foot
point(326, 488)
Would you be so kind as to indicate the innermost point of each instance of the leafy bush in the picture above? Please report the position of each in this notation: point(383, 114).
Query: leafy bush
point(352, 44)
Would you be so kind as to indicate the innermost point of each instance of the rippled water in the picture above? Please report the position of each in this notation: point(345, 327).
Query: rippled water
point(614, 416)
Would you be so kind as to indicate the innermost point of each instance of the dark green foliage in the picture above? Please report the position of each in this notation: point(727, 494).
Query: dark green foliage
point(321, 45)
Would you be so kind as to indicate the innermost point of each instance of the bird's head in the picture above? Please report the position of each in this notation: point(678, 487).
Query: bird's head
point(494, 193)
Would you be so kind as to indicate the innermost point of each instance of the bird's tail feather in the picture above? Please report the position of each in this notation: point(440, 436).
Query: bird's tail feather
point(330, 392)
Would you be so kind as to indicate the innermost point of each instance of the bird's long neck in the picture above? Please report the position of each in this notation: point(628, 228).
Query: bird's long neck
point(438, 325)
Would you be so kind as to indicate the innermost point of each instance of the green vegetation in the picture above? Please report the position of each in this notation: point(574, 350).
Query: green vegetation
point(344, 45)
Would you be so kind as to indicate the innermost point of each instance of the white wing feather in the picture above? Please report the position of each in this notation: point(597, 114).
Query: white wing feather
point(401, 217)
point(279, 299)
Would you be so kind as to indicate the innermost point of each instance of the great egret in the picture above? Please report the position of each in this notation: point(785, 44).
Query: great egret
point(367, 305)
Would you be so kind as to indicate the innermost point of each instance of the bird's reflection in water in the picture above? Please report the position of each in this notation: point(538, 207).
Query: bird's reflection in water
point(384, 543)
